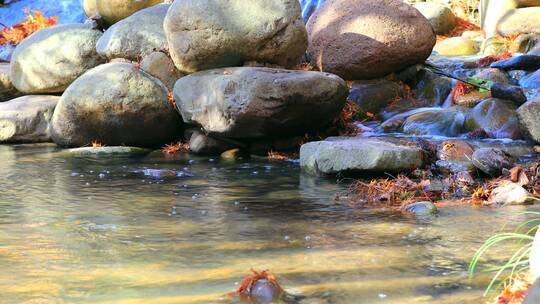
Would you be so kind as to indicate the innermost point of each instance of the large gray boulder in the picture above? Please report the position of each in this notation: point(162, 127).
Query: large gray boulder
point(50, 60)
point(528, 115)
point(7, 90)
point(135, 36)
point(368, 39)
point(115, 104)
point(360, 154)
point(249, 102)
point(206, 34)
point(27, 119)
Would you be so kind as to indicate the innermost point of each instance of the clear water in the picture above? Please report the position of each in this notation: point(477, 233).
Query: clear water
point(76, 230)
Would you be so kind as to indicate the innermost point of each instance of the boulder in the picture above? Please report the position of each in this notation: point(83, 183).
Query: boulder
point(509, 194)
point(248, 102)
point(456, 46)
point(27, 119)
point(160, 65)
point(7, 90)
point(135, 36)
point(521, 20)
point(495, 116)
point(373, 95)
point(446, 122)
point(368, 39)
point(528, 115)
point(50, 60)
point(113, 11)
point(491, 161)
point(206, 34)
point(360, 154)
point(441, 17)
point(115, 104)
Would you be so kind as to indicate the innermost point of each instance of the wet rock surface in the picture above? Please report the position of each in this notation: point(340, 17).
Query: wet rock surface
point(528, 118)
point(447, 122)
point(497, 117)
point(335, 155)
point(108, 151)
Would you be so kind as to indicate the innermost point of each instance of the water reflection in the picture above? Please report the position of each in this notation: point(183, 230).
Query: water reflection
point(186, 230)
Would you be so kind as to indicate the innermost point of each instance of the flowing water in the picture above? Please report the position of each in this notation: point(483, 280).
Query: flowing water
point(186, 230)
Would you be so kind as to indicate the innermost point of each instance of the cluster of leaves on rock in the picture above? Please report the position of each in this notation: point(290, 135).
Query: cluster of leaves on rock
point(33, 22)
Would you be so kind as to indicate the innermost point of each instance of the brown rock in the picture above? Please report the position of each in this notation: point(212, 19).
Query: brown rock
point(368, 39)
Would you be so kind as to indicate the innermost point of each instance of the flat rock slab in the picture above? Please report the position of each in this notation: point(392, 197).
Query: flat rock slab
point(357, 154)
point(108, 151)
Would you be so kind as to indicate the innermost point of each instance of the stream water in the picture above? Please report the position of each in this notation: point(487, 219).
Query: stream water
point(186, 230)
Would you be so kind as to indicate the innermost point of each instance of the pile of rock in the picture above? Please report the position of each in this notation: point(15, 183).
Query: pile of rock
point(127, 86)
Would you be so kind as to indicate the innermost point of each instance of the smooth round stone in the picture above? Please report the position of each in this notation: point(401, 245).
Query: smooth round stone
point(108, 151)
point(421, 208)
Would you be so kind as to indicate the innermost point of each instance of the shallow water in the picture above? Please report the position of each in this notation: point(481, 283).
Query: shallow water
point(186, 230)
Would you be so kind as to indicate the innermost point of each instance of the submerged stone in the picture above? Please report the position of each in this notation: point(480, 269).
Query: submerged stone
point(108, 151)
point(447, 122)
point(344, 154)
point(421, 208)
